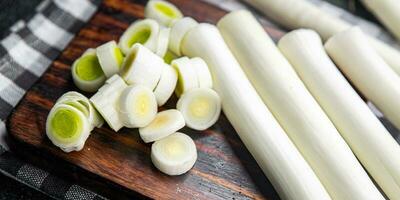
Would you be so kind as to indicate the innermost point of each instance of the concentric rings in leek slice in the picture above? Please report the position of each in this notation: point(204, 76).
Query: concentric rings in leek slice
point(162, 11)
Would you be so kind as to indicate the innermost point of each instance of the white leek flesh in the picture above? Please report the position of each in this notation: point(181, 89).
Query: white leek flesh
point(142, 67)
point(179, 29)
point(367, 71)
point(388, 12)
point(295, 109)
point(162, 11)
point(67, 127)
point(295, 14)
point(370, 141)
point(86, 72)
point(162, 43)
point(110, 58)
point(174, 155)
point(144, 32)
point(106, 101)
point(137, 106)
point(165, 123)
point(200, 107)
point(203, 73)
point(187, 76)
point(166, 86)
point(274, 152)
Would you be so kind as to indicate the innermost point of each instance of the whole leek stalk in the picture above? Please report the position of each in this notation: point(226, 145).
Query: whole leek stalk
point(295, 109)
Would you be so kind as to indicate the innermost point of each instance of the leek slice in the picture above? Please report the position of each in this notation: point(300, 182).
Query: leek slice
point(378, 82)
point(174, 155)
point(169, 57)
point(106, 101)
point(144, 32)
point(370, 141)
point(142, 67)
point(165, 123)
point(178, 31)
point(67, 127)
point(200, 107)
point(137, 106)
point(295, 108)
point(162, 44)
point(187, 77)
point(86, 72)
point(162, 11)
point(110, 58)
point(83, 104)
point(166, 86)
point(202, 71)
point(274, 152)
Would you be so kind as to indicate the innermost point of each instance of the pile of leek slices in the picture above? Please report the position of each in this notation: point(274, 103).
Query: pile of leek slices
point(131, 79)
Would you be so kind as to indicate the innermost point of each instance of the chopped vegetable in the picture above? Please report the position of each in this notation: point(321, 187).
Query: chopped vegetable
point(370, 141)
point(144, 32)
point(187, 77)
point(174, 155)
point(137, 106)
point(169, 57)
point(142, 67)
point(86, 72)
point(162, 43)
point(106, 101)
point(200, 107)
point(295, 108)
point(110, 58)
point(166, 86)
point(162, 11)
point(274, 152)
point(202, 71)
point(165, 123)
point(178, 31)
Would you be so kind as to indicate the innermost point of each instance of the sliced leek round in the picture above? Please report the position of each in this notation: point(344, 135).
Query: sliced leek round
point(169, 57)
point(187, 77)
point(202, 71)
point(142, 31)
point(110, 58)
point(200, 107)
point(83, 104)
point(162, 43)
point(137, 106)
point(166, 86)
point(165, 123)
point(106, 100)
point(142, 67)
point(179, 29)
point(67, 127)
point(174, 155)
point(162, 11)
point(86, 72)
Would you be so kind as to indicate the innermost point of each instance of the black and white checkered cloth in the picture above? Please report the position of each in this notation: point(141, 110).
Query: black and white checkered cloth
point(25, 54)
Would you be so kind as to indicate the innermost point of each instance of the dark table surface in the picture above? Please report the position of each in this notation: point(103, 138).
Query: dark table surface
point(13, 10)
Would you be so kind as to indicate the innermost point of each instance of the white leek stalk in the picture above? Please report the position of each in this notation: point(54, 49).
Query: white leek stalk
point(200, 107)
point(106, 101)
point(388, 12)
point(137, 106)
point(274, 152)
point(202, 71)
point(165, 123)
point(110, 58)
point(67, 127)
point(174, 155)
point(166, 86)
point(162, 11)
point(295, 109)
point(187, 76)
point(86, 72)
point(367, 71)
point(302, 14)
point(163, 40)
point(179, 29)
point(142, 67)
point(370, 141)
point(144, 32)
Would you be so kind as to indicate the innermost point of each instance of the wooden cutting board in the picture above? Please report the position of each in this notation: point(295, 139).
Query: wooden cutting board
point(224, 169)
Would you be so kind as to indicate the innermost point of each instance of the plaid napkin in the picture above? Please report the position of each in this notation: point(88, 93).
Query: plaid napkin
point(25, 54)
